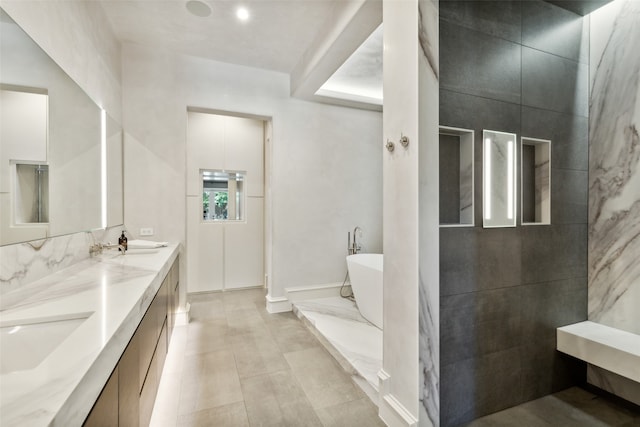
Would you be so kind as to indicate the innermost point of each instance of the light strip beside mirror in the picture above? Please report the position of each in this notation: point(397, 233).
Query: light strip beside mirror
point(103, 167)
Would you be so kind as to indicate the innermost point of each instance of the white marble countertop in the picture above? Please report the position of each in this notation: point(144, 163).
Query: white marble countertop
point(115, 291)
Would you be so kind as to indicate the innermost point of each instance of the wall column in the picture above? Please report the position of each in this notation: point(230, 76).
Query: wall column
point(409, 377)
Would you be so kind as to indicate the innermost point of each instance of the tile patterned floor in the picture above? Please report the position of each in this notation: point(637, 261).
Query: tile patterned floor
point(237, 365)
point(573, 407)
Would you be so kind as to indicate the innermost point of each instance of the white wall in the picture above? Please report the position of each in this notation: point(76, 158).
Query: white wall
point(326, 167)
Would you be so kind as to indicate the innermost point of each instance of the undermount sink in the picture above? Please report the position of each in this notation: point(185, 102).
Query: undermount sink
point(25, 343)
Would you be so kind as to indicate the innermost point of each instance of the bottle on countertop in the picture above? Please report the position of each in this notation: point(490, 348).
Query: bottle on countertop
point(122, 240)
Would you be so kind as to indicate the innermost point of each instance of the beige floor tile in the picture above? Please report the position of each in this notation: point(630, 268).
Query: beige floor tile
point(356, 413)
point(323, 380)
point(294, 337)
point(202, 364)
point(204, 337)
point(294, 405)
point(207, 307)
point(244, 321)
point(257, 353)
point(260, 401)
point(277, 399)
point(232, 415)
point(209, 380)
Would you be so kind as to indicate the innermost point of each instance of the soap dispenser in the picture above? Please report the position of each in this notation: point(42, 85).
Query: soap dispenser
point(122, 241)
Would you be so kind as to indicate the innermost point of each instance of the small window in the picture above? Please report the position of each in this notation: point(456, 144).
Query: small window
point(222, 195)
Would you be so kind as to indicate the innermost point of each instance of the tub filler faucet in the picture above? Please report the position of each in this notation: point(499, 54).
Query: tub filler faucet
point(353, 246)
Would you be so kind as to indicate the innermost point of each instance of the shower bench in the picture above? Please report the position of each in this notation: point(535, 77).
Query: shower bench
point(609, 348)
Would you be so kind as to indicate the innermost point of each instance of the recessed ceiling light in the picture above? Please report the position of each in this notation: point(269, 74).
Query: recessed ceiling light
point(242, 13)
point(198, 8)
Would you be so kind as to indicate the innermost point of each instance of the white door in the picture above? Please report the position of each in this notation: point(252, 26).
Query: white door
point(225, 228)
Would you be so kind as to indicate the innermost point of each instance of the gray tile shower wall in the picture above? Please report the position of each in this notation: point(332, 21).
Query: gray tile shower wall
point(516, 67)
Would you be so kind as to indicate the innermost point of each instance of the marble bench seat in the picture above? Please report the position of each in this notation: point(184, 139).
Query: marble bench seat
point(609, 348)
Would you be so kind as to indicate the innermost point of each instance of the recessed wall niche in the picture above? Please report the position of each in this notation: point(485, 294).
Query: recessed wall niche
point(456, 177)
point(536, 181)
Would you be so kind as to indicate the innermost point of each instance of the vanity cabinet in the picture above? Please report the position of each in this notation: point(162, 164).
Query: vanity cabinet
point(105, 410)
point(129, 384)
point(174, 299)
point(128, 397)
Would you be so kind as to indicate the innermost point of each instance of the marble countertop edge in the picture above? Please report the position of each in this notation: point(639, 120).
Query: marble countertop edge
point(62, 388)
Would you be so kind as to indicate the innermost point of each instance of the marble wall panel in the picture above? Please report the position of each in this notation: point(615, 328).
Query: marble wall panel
point(24, 263)
point(614, 168)
point(429, 70)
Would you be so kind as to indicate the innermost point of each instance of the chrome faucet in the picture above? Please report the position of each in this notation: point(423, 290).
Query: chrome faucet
point(99, 247)
point(355, 247)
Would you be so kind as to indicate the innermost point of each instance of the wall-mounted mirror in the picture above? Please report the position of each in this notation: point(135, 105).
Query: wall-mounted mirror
point(535, 172)
point(222, 195)
point(456, 177)
point(69, 129)
point(499, 177)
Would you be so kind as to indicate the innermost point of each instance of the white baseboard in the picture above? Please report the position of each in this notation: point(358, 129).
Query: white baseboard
point(278, 304)
point(300, 293)
point(392, 412)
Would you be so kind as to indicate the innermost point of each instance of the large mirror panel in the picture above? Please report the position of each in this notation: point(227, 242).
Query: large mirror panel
point(499, 177)
point(65, 136)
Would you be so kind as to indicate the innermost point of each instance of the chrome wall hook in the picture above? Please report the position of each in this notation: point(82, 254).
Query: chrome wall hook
point(390, 145)
point(404, 140)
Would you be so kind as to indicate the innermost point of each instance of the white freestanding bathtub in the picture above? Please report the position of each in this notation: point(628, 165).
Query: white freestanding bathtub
point(365, 273)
